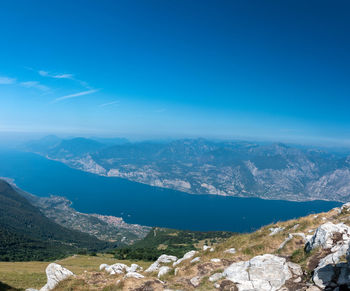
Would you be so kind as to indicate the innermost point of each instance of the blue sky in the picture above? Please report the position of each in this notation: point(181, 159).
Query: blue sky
point(261, 69)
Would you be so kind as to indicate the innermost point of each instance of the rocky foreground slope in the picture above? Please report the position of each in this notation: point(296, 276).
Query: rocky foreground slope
point(311, 253)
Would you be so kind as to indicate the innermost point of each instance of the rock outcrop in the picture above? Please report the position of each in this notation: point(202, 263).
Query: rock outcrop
point(55, 273)
point(186, 256)
point(163, 259)
point(329, 235)
point(163, 271)
point(331, 272)
point(266, 272)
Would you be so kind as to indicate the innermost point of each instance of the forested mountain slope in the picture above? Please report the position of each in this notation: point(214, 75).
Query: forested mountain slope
point(26, 234)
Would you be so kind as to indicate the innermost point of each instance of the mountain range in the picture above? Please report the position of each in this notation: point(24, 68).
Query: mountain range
point(200, 166)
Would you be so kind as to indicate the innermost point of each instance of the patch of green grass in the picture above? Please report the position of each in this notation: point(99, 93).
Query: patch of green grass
point(177, 243)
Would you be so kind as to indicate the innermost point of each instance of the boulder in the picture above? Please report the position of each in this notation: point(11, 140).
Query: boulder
point(204, 248)
point(328, 235)
point(345, 207)
point(266, 272)
point(55, 273)
point(330, 270)
point(186, 256)
point(163, 271)
point(163, 259)
point(117, 268)
point(133, 275)
point(103, 266)
point(133, 268)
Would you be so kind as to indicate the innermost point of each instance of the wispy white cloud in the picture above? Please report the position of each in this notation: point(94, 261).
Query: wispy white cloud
point(110, 103)
point(64, 76)
point(83, 93)
point(56, 76)
point(34, 84)
point(7, 80)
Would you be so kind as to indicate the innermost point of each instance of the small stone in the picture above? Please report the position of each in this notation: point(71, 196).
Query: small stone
point(215, 277)
point(215, 260)
point(205, 248)
point(275, 230)
point(195, 281)
point(134, 275)
point(230, 251)
point(196, 259)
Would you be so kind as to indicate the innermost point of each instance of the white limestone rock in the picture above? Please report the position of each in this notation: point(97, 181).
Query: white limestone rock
point(295, 226)
point(55, 273)
point(133, 275)
point(215, 277)
point(205, 247)
point(195, 281)
point(345, 207)
point(117, 268)
point(324, 236)
point(186, 256)
point(325, 270)
point(230, 251)
point(153, 268)
point(103, 266)
point(215, 260)
point(196, 260)
point(163, 259)
point(266, 272)
point(295, 268)
point(163, 271)
point(133, 268)
point(275, 230)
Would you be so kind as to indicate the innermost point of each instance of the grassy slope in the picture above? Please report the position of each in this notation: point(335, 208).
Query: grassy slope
point(247, 246)
point(23, 275)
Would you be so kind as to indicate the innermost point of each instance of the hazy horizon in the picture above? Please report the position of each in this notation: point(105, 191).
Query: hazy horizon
point(228, 69)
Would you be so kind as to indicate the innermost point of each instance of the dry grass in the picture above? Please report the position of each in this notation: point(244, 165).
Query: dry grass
point(23, 275)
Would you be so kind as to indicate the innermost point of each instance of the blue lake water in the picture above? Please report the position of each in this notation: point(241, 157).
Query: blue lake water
point(146, 205)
